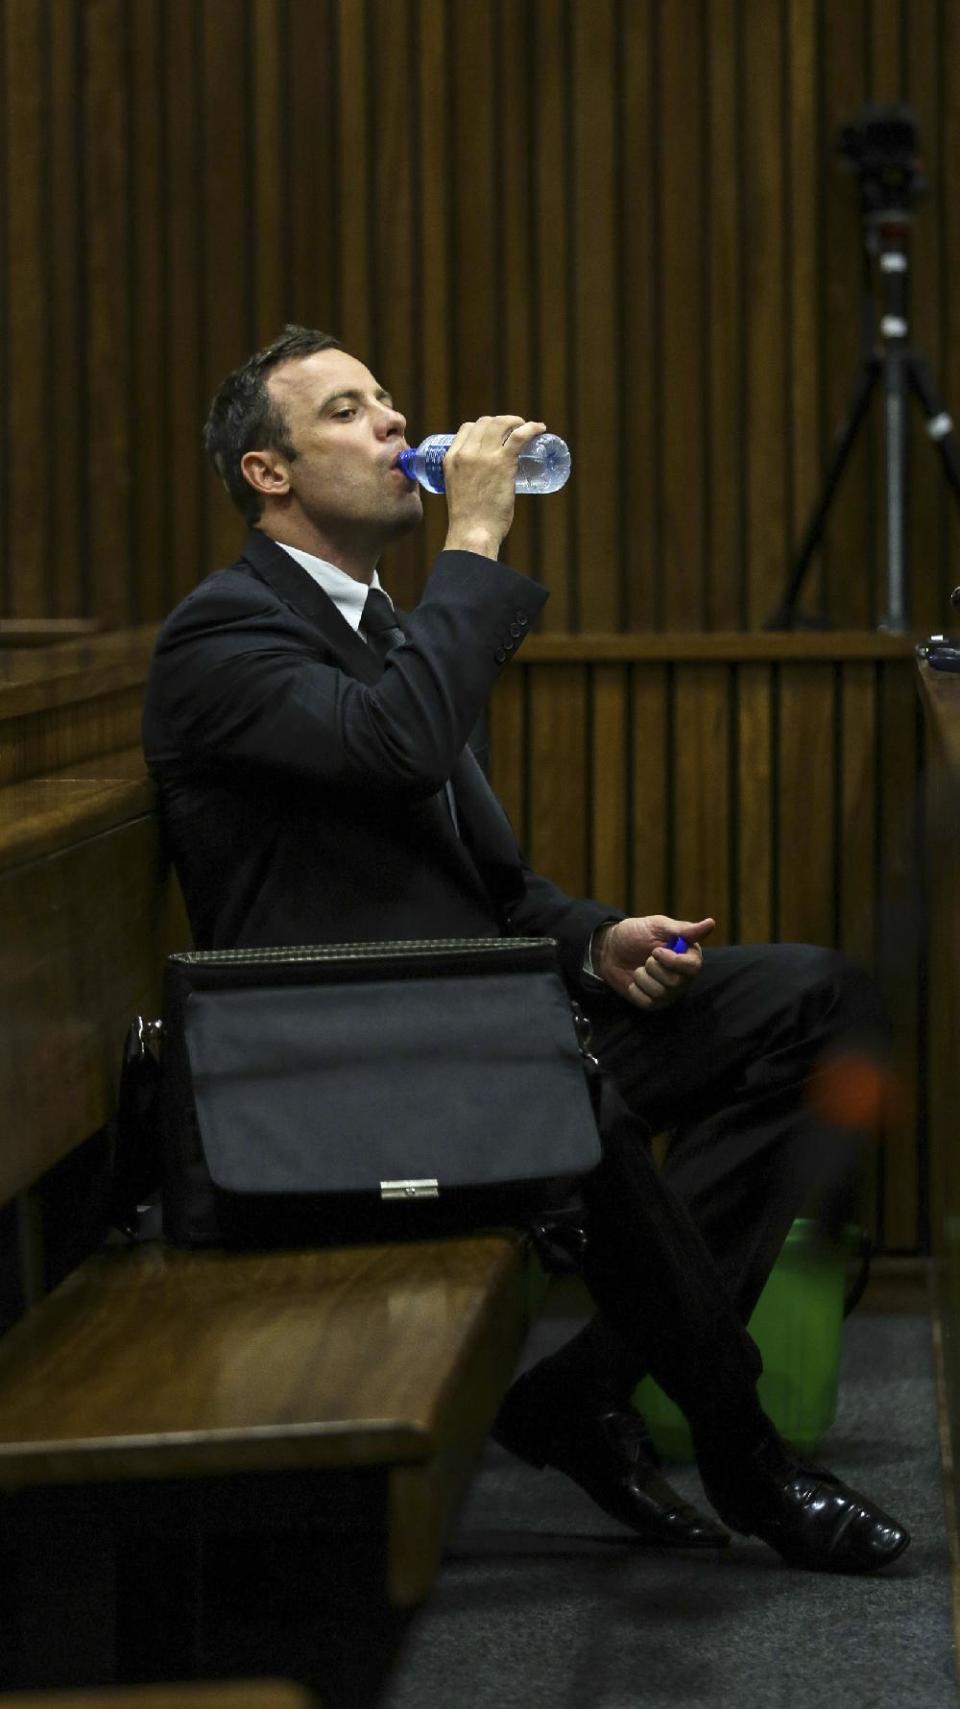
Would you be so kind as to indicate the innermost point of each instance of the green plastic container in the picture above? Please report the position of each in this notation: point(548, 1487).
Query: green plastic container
point(796, 1324)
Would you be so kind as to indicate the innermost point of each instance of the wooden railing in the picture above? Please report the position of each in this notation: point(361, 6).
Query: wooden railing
point(940, 694)
point(771, 780)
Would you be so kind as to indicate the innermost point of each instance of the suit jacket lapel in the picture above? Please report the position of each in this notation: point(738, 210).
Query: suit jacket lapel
point(291, 583)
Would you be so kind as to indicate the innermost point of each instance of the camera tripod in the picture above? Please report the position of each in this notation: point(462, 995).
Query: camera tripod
point(895, 365)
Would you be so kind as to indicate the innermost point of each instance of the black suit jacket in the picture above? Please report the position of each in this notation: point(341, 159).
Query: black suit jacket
point(301, 783)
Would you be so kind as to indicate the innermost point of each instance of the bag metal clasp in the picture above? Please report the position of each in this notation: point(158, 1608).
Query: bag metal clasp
point(425, 1189)
point(584, 1033)
point(148, 1032)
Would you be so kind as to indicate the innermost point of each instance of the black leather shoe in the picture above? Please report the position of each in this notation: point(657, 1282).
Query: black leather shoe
point(806, 1513)
point(607, 1456)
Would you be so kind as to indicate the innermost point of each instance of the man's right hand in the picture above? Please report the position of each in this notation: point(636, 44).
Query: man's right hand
point(480, 474)
point(633, 958)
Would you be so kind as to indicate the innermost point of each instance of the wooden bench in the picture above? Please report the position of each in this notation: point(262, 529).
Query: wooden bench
point(45, 631)
point(226, 1694)
point(163, 1414)
point(158, 1399)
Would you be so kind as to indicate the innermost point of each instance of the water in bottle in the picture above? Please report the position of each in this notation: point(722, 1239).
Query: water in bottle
point(543, 466)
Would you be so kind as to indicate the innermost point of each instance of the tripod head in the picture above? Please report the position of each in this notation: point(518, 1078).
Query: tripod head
point(880, 146)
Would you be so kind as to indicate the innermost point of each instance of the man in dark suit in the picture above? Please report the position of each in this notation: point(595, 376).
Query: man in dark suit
point(317, 785)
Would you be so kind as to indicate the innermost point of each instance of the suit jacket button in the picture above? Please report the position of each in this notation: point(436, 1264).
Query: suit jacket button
point(516, 630)
point(522, 619)
point(500, 656)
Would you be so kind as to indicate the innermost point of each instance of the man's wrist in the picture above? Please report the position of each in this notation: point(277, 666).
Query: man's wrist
point(592, 959)
point(479, 540)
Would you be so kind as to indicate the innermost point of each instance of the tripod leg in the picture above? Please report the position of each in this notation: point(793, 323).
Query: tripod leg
point(940, 425)
point(895, 377)
point(783, 615)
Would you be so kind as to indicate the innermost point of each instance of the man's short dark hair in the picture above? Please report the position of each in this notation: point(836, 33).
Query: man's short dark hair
point(244, 417)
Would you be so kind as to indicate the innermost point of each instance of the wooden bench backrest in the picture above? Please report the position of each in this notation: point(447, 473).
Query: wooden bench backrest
point(87, 914)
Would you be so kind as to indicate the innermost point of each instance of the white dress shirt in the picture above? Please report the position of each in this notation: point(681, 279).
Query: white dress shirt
point(348, 595)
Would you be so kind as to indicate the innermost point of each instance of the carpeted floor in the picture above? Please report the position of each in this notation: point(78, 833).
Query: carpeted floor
point(545, 1603)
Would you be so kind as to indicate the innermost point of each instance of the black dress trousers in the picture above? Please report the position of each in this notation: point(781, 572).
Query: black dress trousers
point(725, 1073)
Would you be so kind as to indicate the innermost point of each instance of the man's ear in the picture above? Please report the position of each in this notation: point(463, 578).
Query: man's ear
point(266, 472)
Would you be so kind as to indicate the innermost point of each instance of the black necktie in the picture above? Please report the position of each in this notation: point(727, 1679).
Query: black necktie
point(379, 624)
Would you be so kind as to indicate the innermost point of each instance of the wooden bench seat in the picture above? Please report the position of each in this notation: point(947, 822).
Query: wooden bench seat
point(158, 1406)
point(153, 1364)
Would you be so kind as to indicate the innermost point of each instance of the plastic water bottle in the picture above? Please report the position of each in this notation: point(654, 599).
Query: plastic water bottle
point(543, 467)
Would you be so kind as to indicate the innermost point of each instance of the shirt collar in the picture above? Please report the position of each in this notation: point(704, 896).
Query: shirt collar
point(348, 595)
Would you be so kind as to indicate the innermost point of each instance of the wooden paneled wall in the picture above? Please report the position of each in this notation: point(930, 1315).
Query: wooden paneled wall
point(772, 783)
point(622, 214)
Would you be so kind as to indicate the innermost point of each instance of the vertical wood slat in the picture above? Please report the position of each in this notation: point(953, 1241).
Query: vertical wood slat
point(187, 393)
point(150, 593)
point(649, 825)
point(803, 263)
point(609, 797)
point(472, 165)
point(66, 421)
point(271, 215)
point(700, 878)
point(929, 496)
point(354, 167)
point(27, 376)
point(311, 88)
point(681, 317)
point(435, 263)
point(637, 464)
point(393, 194)
point(228, 257)
point(109, 304)
point(885, 33)
point(767, 420)
point(599, 402)
point(557, 819)
point(518, 380)
point(752, 807)
point(727, 331)
point(554, 240)
point(858, 811)
point(947, 207)
point(805, 805)
point(849, 557)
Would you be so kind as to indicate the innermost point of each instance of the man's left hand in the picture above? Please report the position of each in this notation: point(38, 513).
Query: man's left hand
point(632, 957)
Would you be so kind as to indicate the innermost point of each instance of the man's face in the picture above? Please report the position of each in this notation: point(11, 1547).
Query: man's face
point(347, 435)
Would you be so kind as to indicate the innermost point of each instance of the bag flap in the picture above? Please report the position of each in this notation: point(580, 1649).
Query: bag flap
point(340, 1087)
